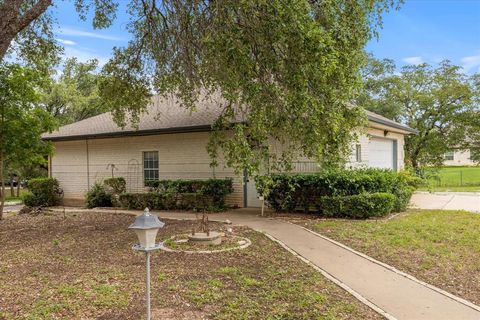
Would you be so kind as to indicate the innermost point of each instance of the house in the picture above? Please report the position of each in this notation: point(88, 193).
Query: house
point(458, 157)
point(170, 143)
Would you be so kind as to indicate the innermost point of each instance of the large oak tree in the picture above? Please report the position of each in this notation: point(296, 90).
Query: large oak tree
point(287, 68)
point(441, 102)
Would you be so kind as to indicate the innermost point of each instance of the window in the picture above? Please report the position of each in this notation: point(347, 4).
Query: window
point(150, 165)
point(449, 155)
point(358, 153)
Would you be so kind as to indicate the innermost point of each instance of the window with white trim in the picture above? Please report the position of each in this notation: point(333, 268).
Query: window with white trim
point(150, 165)
point(449, 155)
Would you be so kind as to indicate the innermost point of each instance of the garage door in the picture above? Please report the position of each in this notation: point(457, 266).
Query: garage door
point(382, 153)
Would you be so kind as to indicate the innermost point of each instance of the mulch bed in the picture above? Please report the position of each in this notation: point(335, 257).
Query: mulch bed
point(82, 267)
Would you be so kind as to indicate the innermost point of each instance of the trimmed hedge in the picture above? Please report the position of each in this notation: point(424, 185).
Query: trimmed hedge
point(359, 206)
point(192, 194)
point(159, 201)
point(42, 192)
point(289, 192)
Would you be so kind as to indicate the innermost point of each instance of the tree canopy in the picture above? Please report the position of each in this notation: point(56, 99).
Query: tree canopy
point(74, 96)
point(441, 102)
point(286, 68)
point(22, 120)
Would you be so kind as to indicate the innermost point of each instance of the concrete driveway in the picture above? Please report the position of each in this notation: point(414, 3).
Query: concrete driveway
point(468, 201)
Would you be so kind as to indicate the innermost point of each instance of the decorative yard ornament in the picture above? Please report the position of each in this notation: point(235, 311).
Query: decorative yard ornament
point(146, 227)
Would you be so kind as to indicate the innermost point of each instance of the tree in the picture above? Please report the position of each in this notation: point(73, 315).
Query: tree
point(22, 120)
point(285, 70)
point(74, 96)
point(441, 103)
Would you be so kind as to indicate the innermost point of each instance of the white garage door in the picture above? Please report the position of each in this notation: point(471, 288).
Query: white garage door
point(381, 153)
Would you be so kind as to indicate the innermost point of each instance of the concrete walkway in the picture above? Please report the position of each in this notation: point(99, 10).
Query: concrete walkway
point(468, 201)
point(398, 296)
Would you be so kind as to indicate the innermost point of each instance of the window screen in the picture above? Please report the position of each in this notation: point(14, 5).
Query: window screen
point(150, 165)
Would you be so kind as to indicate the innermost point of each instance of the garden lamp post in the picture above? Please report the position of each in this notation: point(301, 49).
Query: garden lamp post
point(146, 227)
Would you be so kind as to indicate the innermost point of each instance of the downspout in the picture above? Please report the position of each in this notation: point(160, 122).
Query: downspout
point(49, 166)
point(88, 165)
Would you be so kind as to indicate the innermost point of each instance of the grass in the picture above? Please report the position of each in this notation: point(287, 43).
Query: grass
point(8, 195)
point(83, 267)
point(465, 179)
point(438, 247)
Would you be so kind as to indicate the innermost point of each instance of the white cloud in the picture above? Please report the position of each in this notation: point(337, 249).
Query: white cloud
point(413, 60)
point(470, 63)
point(81, 33)
point(66, 42)
point(85, 54)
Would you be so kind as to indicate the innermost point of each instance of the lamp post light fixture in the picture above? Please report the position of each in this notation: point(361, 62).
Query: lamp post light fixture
point(146, 227)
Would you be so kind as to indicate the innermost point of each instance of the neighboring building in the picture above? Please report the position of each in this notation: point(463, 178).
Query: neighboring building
point(458, 157)
point(170, 143)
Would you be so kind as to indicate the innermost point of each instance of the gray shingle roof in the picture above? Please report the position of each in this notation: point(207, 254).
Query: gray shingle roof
point(163, 115)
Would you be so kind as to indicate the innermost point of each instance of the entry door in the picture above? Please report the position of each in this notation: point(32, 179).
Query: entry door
point(252, 194)
point(382, 153)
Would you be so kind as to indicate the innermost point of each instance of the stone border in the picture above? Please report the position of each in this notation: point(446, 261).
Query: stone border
point(391, 268)
point(239, 247)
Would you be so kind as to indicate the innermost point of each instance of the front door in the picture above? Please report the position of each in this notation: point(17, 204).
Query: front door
point(252, 194)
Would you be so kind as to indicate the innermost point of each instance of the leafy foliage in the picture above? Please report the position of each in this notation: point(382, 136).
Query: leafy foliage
point(359, 206)
point(288, 192)
point(442, 103)
point(74, 96)
point(181, 194)
point(282, 73)
point(22, 121)
point(42, 192)
point(116, 185)
point(98, 196)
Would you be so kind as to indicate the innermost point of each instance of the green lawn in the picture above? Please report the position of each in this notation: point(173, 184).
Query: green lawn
point(438, 247)
point(8, 195)
point(453, 179)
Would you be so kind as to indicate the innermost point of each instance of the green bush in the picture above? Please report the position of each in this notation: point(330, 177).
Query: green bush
point(42, 192)
point(98, 196)
point(289, 192)
point(359, 206)
point(115, 185)
point(193, 194)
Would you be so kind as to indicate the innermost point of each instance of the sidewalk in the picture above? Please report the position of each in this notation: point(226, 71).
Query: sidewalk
point(468, 201)
point(398, 296)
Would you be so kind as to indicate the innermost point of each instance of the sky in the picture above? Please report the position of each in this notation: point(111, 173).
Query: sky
point(421, 31)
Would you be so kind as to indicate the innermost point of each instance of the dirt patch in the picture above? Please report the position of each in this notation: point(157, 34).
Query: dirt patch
point(83, 267)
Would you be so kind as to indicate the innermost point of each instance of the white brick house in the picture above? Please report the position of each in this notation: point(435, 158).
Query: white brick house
point(170, 143)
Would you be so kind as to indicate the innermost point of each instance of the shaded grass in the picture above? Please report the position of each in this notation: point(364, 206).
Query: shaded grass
point(439, 247)
point(82, 267)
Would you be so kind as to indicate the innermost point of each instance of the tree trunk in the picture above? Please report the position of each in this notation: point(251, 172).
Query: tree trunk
point(2, 200)
point(12, 22)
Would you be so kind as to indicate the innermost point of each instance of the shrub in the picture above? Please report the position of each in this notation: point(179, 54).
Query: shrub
point(42, 192)
point(193, 194)
point(288, 192)
point(115, 185)
point(98, 196)
point(359, 206)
